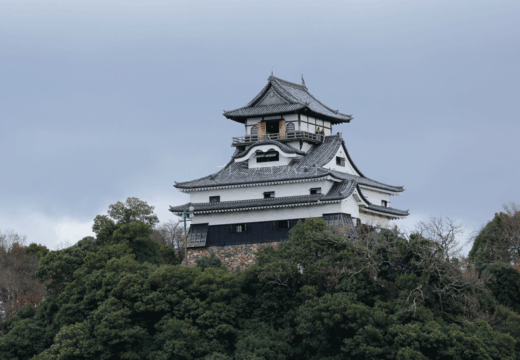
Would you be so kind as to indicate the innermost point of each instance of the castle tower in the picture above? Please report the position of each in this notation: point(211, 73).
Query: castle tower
point(288, 166)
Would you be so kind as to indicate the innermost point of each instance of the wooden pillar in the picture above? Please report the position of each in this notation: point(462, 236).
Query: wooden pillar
point(261, 130)
point(281, 130)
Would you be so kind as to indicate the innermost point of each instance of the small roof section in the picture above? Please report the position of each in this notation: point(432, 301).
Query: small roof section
point(283, 97)
point(266, 140)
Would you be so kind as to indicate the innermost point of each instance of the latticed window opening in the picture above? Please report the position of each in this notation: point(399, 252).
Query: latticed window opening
point(338, 219)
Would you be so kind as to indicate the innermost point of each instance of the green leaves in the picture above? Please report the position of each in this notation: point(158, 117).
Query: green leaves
point(326, 293)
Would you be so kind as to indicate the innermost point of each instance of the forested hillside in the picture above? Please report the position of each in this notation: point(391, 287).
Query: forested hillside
point(327, 293)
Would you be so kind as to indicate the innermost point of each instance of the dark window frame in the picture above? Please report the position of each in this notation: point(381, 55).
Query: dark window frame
point(281, 225)
point(384, 203)
point(315, 191)
point(340, 161)
point(214, 199)
point(268, 157)
point(244, 228)
point(269, 195)
point(271, 125)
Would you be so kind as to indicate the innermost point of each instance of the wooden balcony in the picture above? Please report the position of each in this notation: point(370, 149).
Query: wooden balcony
point(289, 136)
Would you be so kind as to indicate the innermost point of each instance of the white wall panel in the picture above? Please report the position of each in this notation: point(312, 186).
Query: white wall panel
point(348, 168)
point(375, 197)
point(257, 192)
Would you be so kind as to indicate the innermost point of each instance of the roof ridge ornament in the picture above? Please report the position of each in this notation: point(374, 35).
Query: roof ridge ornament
point(303, 81)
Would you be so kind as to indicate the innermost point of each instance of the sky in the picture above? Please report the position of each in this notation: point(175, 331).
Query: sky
point(103, 100)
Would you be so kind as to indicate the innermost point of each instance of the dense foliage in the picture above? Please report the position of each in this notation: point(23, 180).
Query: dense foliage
point(327, 293)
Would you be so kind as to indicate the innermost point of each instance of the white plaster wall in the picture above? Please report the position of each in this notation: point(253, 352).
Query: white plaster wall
point(304, 126)
point(375, 197)
point(283, 161)
point(302, 212)
point(350, 206)
point(252, 121)
point(348, 168)
point(291, 117)
point(307, 146)
point(264, 148)
point(257, 192)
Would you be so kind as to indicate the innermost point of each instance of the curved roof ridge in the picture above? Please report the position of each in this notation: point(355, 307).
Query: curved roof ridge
point(268, 141)
point(361, 174)
point(325, 106)
point(388, 210)
point(294, 94)
point(362, 196)
point(304, 88)
point(289, 83)
point(257, 97)
point(285, 94)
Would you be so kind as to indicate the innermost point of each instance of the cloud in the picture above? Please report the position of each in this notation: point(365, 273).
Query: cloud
point(52, 232)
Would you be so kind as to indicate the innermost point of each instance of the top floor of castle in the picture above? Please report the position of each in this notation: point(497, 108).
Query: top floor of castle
point(287, 112)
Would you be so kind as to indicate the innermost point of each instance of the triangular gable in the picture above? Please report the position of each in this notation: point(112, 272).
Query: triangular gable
point(272, 98)
point(348, 168)
point(271, 95)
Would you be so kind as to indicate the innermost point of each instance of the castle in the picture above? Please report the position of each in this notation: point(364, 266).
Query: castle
point(288, 166)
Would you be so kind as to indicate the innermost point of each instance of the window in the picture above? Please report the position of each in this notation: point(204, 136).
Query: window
point(340, 161)
point(289, 127)
point(239, 228)
point(283, 224)
point(267, 157)
point(272, 126)
point(384, 203)
point(269, 194)
point(338, 219)
point(315, 191)
point(254, 130)
point(214, 199)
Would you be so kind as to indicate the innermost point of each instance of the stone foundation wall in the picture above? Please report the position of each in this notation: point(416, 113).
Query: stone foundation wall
point(374, 220)
point(233, 256)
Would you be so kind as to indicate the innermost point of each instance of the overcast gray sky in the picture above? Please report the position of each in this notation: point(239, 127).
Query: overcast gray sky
point(102, 100)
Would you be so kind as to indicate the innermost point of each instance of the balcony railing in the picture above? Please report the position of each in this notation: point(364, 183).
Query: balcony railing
point(289, 136)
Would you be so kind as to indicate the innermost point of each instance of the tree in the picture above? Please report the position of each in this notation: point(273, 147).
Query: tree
point(444, 232)
point(18, 284)
point(171, 234)
point(499, 239)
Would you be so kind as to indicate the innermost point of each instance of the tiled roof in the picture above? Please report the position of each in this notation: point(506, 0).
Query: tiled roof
point(264, 110)
point(388, 210)
point(297, 97)
point(267, 141)
point(338, 191)
point(309, 166)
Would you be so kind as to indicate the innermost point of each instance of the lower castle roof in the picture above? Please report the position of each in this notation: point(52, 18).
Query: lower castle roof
point(310, 166)
point(338, 192)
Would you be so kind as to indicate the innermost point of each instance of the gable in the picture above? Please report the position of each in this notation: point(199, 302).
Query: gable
point(345, 167)
point(271, 98)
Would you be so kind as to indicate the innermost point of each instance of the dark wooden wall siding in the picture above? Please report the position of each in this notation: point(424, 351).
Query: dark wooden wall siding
point(258, 233)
